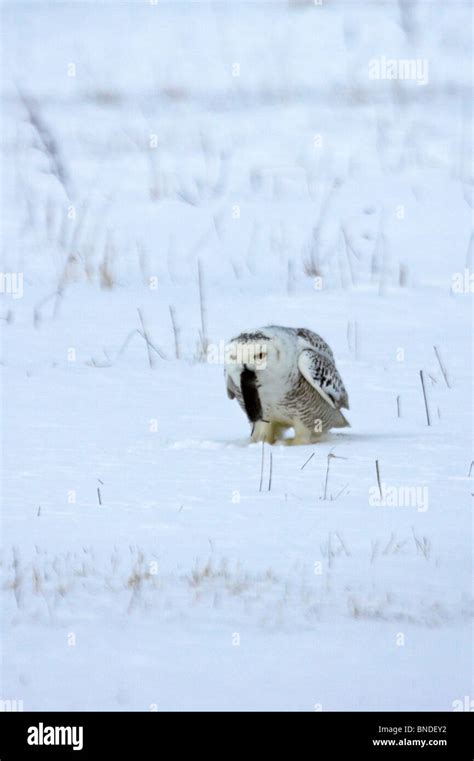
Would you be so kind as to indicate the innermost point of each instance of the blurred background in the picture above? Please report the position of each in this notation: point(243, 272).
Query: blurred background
point(255, 137)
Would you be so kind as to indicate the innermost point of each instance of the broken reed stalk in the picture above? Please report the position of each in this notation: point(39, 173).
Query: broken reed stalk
point(261, 466)
point(155, 348)
point(271, 473)
point(378, 478)
point(443, 369)
point(202, 308)
point(99, 495)
point(37, 316)
point(305, 463)
point(348, 251)
point(127, 341)
point(330, 456)
point(399, 408)
point(138, 332)
point(48, 141)
point(330, 553)
point(422, 378)
point(343, 544)
point(341, 491)
point(148, 342)
point(175, 332)
point(57, 301)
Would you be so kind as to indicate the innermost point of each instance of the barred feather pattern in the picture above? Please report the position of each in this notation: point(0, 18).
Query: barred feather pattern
point(286, 396)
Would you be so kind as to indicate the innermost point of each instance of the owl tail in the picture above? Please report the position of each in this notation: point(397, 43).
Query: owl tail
point(341, 421)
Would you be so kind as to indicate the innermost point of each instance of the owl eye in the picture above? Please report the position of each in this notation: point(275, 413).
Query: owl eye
point(260, 356)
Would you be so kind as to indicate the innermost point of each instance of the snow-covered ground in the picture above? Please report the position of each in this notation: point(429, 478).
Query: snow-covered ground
point(236, 163)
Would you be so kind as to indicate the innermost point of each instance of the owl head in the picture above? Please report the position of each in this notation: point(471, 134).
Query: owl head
point(261, 352)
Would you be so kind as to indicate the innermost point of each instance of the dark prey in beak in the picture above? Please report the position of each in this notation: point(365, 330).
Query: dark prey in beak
point(248, 385)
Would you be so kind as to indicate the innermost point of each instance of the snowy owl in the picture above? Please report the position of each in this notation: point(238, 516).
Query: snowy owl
point(285, 378)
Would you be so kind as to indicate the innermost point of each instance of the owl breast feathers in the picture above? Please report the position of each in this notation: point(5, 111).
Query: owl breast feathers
point(285, 378)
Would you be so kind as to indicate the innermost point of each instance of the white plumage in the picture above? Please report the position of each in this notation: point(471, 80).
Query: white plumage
point(285, 378)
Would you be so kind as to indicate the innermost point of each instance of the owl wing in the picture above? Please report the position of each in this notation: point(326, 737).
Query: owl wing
point(317, 342)
point(321, 373)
